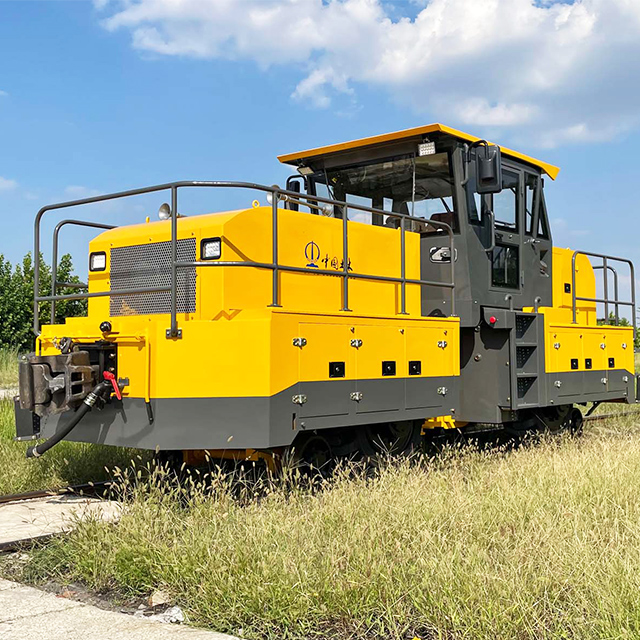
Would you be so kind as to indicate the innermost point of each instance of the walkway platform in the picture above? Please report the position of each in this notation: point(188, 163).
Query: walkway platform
point(44, 517)
point(29, 614)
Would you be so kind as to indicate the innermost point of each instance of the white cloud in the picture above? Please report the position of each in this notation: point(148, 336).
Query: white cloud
point(3, 94)
point(6, 184)
point(558, 72)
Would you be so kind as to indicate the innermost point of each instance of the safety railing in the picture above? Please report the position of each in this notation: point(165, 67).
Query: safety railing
point(54, 259)
point(606, 300)
point(277, 196)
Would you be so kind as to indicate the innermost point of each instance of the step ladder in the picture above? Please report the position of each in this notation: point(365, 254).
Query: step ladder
point(527, 361)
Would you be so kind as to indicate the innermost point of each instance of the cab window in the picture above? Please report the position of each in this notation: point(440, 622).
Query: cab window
point(418, 186)
point(505, 203)
point(531, 196)
point(505, 267)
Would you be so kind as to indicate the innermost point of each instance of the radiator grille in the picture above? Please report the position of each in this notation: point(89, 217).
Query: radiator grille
point(149, 265)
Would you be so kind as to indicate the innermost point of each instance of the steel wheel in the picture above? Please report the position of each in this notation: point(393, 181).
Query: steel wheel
point(394, 438)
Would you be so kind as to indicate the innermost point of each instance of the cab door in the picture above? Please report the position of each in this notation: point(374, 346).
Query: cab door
point(519, 252)
point(505, 271)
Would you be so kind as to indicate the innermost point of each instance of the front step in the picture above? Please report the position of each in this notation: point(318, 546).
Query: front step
point(527, 360)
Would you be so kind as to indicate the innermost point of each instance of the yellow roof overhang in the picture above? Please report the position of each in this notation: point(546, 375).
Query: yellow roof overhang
point(292, 158)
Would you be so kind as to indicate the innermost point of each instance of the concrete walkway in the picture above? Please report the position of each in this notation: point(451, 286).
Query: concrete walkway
point(43, 517)
point(29, 614)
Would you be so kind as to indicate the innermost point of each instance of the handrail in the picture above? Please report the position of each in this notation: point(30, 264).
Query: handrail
point(606, 267)
point(277, 194)
point(54, 257)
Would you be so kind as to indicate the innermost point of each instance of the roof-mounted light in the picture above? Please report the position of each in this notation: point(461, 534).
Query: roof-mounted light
point(305, 171)
point(426, 148)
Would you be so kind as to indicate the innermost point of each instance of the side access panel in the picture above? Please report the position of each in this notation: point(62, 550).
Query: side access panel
point(328, 359)
point(380, 363)
point(428, 350)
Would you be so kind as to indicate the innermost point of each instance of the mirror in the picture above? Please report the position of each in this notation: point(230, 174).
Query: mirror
point(488, 169)
point(294, 183)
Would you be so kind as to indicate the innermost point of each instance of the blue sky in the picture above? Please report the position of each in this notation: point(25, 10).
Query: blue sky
point(105, 96)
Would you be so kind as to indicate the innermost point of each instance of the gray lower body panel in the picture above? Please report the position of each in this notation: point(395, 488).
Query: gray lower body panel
point(260, 422)
point(590, 386)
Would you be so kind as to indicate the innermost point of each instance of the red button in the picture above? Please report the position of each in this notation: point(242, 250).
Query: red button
point(493, 319)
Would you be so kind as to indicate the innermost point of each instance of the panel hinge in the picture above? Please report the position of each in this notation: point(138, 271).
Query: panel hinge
point(299, 399)
point(556, 345)
point(442, 344)
point(442, 391)
point(299, 342)
point(558, 383)
point(356, 396)
point(356, 342)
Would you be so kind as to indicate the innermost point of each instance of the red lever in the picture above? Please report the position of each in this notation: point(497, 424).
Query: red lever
point(116, 389)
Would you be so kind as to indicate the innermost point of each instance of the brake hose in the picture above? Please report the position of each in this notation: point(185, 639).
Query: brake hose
point(87, 404)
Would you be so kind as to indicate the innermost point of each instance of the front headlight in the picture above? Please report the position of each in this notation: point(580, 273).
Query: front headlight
point(98, 261)
point(211, 248)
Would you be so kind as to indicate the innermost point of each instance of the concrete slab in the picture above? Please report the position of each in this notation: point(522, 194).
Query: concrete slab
point(29, 614)
point(43, 517)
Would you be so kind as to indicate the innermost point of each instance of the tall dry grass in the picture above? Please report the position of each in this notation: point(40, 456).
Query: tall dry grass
point(539, 542)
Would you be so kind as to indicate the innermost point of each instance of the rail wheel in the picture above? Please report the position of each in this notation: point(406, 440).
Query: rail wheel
point(314, 454)
point(394, 438)
point(575, 422)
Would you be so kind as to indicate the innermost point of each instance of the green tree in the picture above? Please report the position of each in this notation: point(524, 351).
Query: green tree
point(16, 299)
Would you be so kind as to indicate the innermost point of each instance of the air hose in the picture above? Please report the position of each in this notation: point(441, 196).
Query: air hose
point(87, 404)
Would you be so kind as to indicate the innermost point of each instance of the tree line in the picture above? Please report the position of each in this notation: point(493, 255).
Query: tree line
point(16, 299)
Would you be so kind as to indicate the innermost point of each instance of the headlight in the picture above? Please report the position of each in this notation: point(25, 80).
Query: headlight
point(211, 248)
point(98, 261)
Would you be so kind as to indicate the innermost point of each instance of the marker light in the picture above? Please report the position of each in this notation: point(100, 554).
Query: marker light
point(211, 248)
point(98, 261)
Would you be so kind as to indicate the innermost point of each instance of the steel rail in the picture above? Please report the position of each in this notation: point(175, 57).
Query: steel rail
point(79, 489)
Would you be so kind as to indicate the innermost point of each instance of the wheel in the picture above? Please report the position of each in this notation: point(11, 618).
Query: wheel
point(575, 422)
point(394, 438)
point(313, 454)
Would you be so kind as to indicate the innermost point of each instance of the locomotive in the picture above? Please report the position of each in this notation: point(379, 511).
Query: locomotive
point(397, 284)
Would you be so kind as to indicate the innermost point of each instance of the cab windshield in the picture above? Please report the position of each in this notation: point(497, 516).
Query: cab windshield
point(418, 186)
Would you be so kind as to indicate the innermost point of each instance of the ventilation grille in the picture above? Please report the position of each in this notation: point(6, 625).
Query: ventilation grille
point(149, 265)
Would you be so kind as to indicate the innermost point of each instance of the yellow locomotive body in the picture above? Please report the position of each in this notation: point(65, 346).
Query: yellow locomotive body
point(340, 327)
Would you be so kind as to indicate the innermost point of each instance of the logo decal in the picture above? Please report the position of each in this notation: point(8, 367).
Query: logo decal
point(312, 254)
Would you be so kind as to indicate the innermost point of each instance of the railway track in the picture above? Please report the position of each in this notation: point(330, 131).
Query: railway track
point(606, 416)
point(86, 489)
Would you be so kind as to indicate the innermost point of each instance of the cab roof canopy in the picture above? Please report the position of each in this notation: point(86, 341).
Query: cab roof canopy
point(416, 134)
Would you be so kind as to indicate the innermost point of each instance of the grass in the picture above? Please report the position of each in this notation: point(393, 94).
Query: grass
point(538, 542)
point(66, 463)
point(8, 368)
